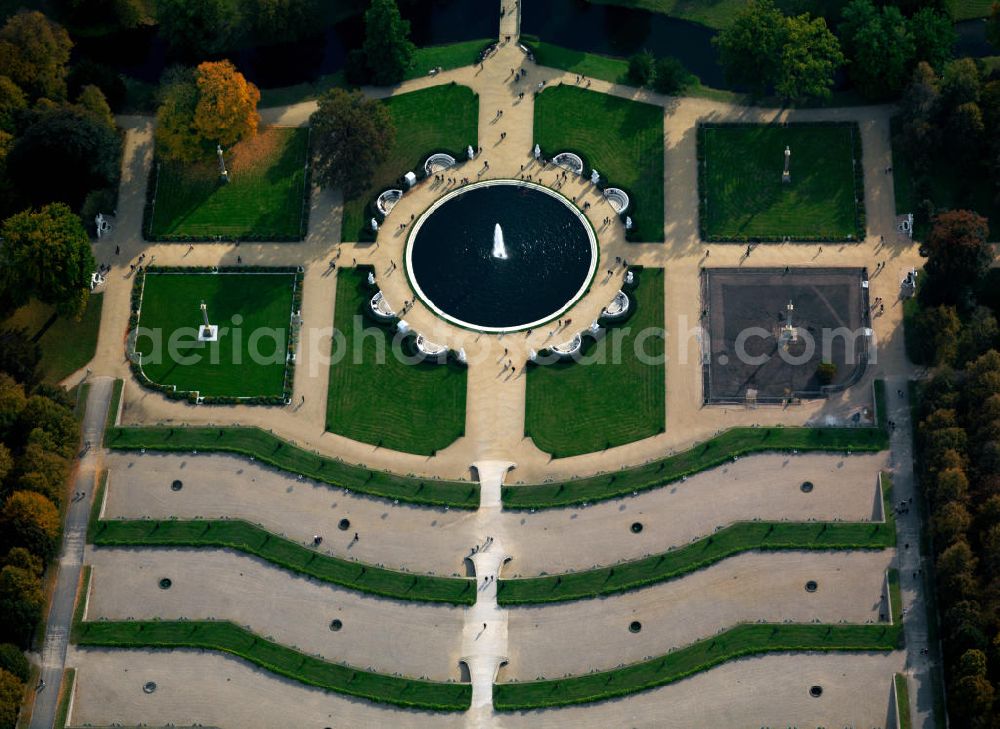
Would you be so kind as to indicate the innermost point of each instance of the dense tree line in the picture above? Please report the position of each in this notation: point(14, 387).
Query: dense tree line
point(39, 437)
point(797, 57)
point(53, 148)
point(958, 435)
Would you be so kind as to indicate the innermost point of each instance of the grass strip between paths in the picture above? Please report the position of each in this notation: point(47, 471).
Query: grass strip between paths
point(65, 694)
point(288, 662)
point(902, 701)
point(738, 642)
point(285, 553)
point(709, 454)
point(269, 450)
point(112, 418)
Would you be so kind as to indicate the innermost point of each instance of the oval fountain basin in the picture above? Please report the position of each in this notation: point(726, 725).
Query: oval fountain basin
point(501, 255)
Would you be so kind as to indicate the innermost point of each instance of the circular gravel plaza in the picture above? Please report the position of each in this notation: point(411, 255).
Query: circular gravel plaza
point(501, 255)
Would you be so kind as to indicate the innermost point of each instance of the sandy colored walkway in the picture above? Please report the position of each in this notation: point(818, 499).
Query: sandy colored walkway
point(578, 637)
point(756, 487)
point(388, 636)
point(772, 691)
point(195, 687)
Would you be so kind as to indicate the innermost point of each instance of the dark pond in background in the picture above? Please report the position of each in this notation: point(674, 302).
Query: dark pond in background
point(143, 55)
point(617, 31)
point(548, 256)
point(575, 24)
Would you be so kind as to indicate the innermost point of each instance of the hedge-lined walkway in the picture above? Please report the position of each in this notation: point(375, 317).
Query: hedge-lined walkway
point(270, 450)
point(275, 658)
point(738, 642)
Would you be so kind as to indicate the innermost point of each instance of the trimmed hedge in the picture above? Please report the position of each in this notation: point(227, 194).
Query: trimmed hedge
point(226, 637)
point(727, 542)
point(284, 553)
point(738, 642)
point(267, 449)
point(709, 454)
point(116, 397)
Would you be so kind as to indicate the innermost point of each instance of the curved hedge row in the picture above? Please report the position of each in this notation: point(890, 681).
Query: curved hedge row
point(727, 542)
point(709, 454)
point(738, 642)
point(226, 637)
point(267, 449)
point(285, 553)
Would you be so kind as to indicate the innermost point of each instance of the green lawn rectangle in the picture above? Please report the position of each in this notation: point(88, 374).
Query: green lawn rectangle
point(581, 407)
point(376, 397)
point(441, 118)
point(264, 199)
point(253, 312)
point(279, 659)
point(620, 138)
point(742, 193)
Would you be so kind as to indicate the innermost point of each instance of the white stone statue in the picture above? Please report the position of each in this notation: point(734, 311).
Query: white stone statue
point(628, 223)
point(595, 177)
point(538, 152)
point(101, 224)
point(470, 152)
point(374, 225)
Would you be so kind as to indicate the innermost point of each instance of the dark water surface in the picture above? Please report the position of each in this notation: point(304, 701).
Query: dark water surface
point(549, 256)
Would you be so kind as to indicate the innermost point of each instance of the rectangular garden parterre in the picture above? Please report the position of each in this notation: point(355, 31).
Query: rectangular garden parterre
point(611, 397)
point(253, 310)
point(742, 195)
point(438, 119)
point(374, 396)
point(622, 139)
point(265, 198)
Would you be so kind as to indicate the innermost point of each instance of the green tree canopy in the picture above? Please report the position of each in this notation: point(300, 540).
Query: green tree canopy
point(641, 68)
point(34, 52)
point(933, 36)
point(63, 156)
point(750, 48)
point(197, 28)
point(47, 254)
point(880, 47)
point(958, 255)
point(763, 48)
point(351, 136)
point(810, 57)
point(30, 520)
point(388, 49)
point(11, 693)
point(671, 77)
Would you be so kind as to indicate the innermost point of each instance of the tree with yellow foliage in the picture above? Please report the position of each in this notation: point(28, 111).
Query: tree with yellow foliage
point(226, 111)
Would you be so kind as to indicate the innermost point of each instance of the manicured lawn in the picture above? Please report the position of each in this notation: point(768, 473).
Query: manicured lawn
point(284, 553)
point(66, 344)
point(595, 65)
point(580, 407)
point(947, 185)
point(264, 199)
point(441, 118)
point(252, 311)
point(622, 139)
point(709, 454)
point(743, 197)
point(738, 642)
point(374, 397)
point(269, 450)
point(226, 637)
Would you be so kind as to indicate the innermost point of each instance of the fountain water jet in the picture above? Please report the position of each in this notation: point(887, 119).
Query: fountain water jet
point(499, 249)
